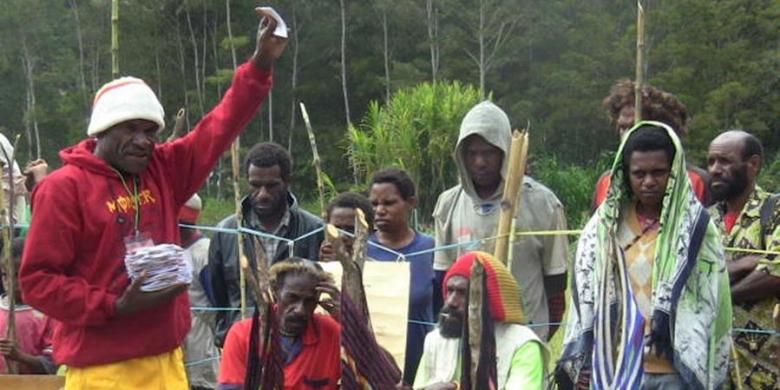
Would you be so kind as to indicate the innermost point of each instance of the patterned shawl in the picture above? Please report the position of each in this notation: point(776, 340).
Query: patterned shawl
point(691, 316)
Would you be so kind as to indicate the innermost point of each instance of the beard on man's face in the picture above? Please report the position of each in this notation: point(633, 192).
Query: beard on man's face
point(733, 187)
point(451, 322)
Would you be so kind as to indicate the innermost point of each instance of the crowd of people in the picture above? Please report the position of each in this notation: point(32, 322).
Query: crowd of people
point(672, 284)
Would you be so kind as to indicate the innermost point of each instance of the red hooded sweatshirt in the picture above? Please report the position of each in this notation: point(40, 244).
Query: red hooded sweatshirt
point(73, 265)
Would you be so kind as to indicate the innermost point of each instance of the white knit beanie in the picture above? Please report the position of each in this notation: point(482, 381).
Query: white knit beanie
point(124, 99)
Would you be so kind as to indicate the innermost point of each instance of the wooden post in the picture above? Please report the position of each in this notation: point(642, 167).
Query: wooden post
point(518, 153)
point(115, 39)
point(640, 60)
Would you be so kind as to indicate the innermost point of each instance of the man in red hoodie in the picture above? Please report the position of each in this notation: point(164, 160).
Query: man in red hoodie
point(120, 183)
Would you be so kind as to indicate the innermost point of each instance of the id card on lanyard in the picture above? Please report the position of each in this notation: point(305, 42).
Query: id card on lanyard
point(137, 239)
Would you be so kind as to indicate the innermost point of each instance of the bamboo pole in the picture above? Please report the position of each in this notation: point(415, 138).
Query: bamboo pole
point(518, 153)
point(8, 261)
point(115, 39)
point(640, 60)
point(235, 165)
point(315, 159)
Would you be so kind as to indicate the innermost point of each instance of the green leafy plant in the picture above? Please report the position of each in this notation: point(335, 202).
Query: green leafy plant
point(416, 131)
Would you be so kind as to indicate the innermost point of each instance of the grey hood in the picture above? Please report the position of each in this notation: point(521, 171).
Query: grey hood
point(491, 123)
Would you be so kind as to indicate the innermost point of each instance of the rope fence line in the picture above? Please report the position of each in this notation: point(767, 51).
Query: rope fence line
point(471, 244)
point(737, 330)
point(402, 257)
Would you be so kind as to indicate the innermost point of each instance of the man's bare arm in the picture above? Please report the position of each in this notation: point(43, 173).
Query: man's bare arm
point(755, 286)
point(742, 267)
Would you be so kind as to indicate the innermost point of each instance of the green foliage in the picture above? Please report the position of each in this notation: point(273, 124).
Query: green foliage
point(215, 210)
point(769, 179)
point(416, 131)
point(573, 184)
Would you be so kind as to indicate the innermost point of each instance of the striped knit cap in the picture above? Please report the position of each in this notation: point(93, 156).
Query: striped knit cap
point(121, 100)
point(503, 291)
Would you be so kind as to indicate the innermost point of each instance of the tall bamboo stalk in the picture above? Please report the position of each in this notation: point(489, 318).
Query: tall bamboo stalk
point(234, 149)
point(236, 170)
point(115, 38)
point(315, 159)
point(518, 153)
point(640, 60)
point(8, 261)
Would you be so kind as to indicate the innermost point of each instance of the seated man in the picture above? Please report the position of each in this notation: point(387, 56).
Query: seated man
point(311, 342)
point(513, 356)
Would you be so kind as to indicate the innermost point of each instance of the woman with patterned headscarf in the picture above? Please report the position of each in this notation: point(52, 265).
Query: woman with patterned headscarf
point(651, 302)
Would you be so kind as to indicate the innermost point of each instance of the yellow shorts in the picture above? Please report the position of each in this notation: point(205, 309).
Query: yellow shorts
point(159, 372)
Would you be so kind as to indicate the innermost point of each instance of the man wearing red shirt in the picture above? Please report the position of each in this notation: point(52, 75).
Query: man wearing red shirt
point(310, 343)
point(120, 184)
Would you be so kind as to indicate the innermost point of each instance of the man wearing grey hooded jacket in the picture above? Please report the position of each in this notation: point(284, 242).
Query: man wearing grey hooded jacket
point(469, 212)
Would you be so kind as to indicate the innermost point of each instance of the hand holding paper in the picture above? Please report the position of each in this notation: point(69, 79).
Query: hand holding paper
point(271, 37)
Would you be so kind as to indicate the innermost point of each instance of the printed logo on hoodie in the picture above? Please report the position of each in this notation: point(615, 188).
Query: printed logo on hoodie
point(125, 202)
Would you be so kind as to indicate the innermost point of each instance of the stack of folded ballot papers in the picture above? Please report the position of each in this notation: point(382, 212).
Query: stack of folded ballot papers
point(165, 265)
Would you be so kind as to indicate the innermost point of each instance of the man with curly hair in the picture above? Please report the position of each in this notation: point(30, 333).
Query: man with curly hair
point(657, 105)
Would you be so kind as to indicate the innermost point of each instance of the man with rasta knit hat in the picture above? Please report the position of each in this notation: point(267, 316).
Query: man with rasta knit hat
point(117, 191)
point(480, 342)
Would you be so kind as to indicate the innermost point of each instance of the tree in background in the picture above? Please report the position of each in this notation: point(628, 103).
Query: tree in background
point(416, 131)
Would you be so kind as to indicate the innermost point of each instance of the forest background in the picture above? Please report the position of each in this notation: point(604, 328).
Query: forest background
point(387, 82)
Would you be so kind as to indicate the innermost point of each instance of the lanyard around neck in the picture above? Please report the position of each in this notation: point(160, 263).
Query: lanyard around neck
point(134, 196)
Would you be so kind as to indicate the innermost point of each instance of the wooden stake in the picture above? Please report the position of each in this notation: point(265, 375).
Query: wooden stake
point(115, 39)
point(640, 60)
point(235, 165)
point(315, 159)
point(8, 261)
point(518, 153)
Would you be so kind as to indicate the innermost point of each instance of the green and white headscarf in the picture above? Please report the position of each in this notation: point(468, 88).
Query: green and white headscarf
point(691, 315)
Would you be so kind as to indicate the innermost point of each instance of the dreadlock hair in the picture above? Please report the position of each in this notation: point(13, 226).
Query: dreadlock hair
point(352, 200)
point(657, 105)
point(265, 369)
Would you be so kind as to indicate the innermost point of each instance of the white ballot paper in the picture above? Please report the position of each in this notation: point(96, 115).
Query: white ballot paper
point(281, 26)
point(165, 265)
